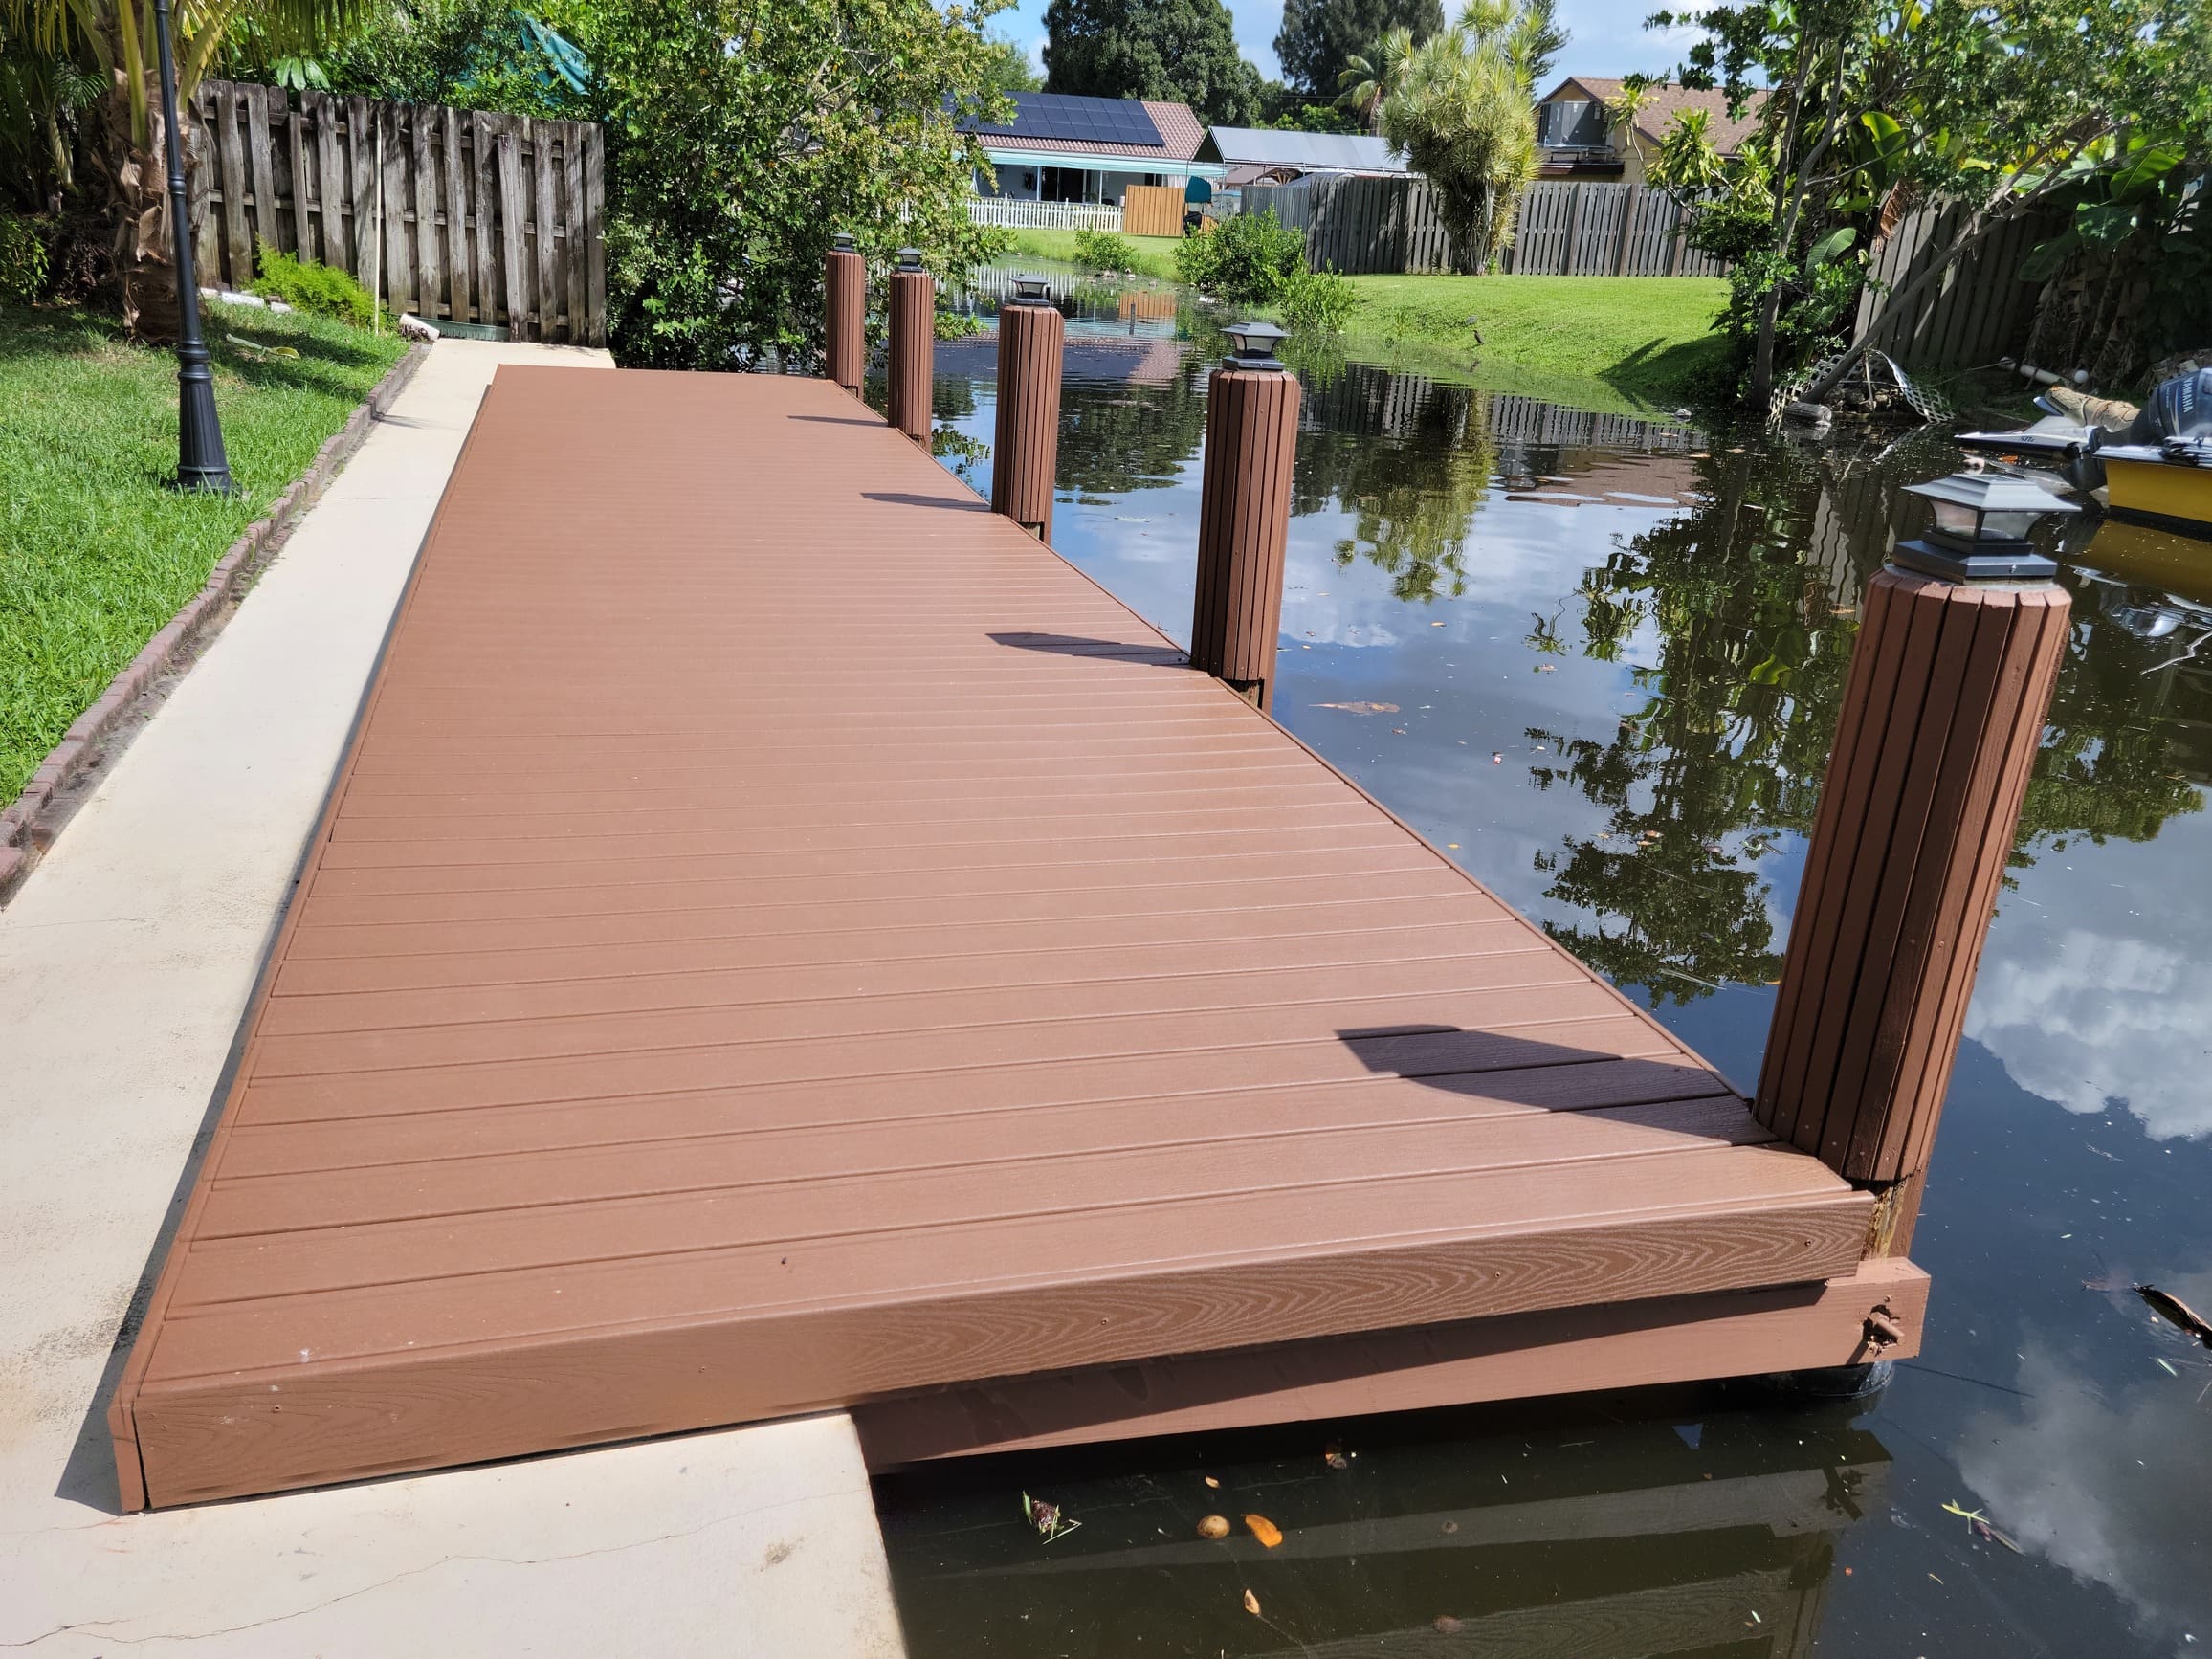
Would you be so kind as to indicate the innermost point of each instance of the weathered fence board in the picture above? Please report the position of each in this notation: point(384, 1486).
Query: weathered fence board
point(447, 212)
point(1359, 224)
point(1976, 311)
point(1151, 210)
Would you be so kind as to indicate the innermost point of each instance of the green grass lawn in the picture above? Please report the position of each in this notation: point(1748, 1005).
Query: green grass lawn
point(1650, 338)
point(95, 555)
point(1154, 254)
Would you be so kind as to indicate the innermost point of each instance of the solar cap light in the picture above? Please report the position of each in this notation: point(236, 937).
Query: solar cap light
point(1980, 530)
point(841, 241)
point(910, 258)
point(1255, 345)
point(1033, 290)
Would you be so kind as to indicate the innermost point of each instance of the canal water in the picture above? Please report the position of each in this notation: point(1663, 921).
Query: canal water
point(1596, 653)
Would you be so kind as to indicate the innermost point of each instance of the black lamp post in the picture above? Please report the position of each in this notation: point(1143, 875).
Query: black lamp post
point(201, 464)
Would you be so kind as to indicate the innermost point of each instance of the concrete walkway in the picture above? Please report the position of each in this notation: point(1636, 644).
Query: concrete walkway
point(125, 965)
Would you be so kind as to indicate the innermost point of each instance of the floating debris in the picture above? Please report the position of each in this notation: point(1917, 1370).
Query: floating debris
point(1251, 1605)
point(1265, 1530)
point(1047, 1518)
point(1213, 1526)
point(2176, 1312)
point(1978, 1523)
point(1361, 708)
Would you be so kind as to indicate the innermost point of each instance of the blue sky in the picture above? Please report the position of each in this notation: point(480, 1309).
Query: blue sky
point(1608, 36)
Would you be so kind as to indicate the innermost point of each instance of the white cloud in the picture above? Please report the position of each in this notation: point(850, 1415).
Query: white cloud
point(2108, 1483)
point(2095, 988)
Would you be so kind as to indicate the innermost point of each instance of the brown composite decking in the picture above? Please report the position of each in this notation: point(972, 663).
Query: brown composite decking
point(783, 938)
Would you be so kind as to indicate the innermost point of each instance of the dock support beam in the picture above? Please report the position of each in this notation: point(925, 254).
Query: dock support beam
point(1942, 715)
point(912, 345)
point(845, 294)
point(1244, 519)
point(1025, 454)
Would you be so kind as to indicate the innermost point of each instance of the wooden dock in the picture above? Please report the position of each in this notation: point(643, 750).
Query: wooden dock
point(783, 939)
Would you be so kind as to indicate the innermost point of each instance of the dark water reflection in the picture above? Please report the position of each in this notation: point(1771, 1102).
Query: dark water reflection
point(1597, 657)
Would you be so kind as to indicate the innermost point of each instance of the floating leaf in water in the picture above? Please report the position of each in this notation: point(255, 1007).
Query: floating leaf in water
point(1210, 1481)
point(1251, 1605)
point(2175, 1310)
point(1334, 1456)
point(1264, 1530)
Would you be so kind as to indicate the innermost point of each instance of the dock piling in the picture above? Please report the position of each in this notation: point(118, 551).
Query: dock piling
point(1959, 649)
point(845, 295)
point(1251, 429)
point(912, 345)
point(1025, 454)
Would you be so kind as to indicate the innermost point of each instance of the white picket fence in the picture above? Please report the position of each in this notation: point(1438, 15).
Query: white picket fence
point(1020, 216)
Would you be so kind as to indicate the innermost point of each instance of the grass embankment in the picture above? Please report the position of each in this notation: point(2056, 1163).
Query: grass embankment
point(1650, 338)
point(1154, 254)
point(95, 555)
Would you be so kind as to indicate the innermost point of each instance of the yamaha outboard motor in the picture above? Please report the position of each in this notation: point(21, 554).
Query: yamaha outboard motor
point(2179, 409)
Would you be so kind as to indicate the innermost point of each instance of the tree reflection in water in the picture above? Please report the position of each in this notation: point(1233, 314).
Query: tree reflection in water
point(1411, 462)
point(1737, 619)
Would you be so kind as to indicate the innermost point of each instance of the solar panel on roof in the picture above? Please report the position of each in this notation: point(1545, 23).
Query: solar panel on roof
point(1066, 117)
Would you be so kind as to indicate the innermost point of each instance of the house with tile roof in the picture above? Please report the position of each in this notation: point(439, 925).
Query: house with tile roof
point(1579, 137)
point(1063, 149)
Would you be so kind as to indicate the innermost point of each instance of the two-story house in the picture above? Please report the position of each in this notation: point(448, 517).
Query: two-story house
point(1579, 137)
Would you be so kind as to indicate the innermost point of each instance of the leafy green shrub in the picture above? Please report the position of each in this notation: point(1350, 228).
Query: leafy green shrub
point(1105, 250)
point(956, 325)
point(1242, 260)
point(1255, 259)
point(1319, 300)
point(23, 260)
point(323, 289)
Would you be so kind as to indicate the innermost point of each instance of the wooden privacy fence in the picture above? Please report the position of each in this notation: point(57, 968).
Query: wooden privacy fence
point(1977, 312)
point(1575, 228)
point(451, 213)
point(1360, 224)
point(1151, 210)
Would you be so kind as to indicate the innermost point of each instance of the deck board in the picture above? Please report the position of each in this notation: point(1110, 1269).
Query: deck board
point(783, 938)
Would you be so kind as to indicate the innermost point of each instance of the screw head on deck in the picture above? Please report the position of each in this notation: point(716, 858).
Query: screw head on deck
point(1255, 345)
point(910, 258)
point(1981, 533)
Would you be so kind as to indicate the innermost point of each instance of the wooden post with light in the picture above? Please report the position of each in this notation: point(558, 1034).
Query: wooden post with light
point(1251, 431)
point(1026, 453)
point(1960, 644)
point(912, 345)
point(845, 296)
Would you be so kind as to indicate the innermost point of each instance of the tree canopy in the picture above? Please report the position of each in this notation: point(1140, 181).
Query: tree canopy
point(1320, 37)
point(1874, 106)
point(1462, 111)
point(743, 133)
point(1179, 50)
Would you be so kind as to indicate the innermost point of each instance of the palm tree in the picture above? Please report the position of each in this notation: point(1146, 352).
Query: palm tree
point(1625, 106)
point(1367, 78)
point(1463, 113)
point(116, 37)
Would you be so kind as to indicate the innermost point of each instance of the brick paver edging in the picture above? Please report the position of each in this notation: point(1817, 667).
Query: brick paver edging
point(21, 841)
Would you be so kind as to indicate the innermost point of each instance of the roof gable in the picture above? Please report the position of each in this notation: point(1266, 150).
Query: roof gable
point(1663, 102)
